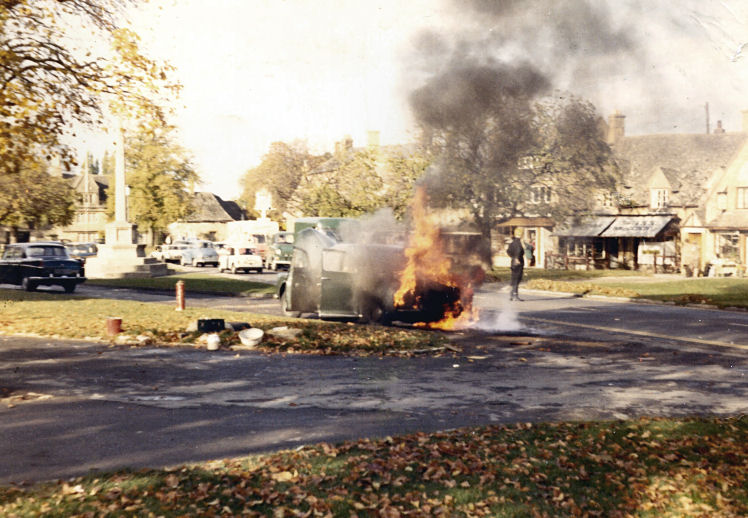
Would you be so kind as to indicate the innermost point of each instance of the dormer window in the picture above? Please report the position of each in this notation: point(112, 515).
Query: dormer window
point(659, 198)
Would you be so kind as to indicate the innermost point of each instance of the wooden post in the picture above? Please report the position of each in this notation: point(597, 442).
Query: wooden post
point(180, 295)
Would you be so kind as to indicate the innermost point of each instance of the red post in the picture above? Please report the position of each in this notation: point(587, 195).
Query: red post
point(180, 295)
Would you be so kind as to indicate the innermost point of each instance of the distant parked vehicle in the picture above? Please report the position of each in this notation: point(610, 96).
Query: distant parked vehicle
point(202, 256)
point(44, 263)
point(169, 253)
point(239, 258)
point(280, 250)
point(82, 251)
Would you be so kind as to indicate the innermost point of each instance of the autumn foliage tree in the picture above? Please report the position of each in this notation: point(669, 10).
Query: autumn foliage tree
point(49, 83)
point(364, 182)
point(32, 199)
point(280, 173)
point(159, 173)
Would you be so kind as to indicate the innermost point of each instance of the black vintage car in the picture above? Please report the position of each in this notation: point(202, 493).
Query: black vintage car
point(40, 264)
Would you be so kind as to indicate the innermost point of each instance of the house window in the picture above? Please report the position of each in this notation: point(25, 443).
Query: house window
point(728, 245)
point(659, 198)
point(540, 194)
point(742, 198)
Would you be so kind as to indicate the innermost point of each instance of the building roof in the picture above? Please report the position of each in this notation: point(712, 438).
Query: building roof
point(90, 183)
point(732, 220)
point(208, 207)
point(688, 161)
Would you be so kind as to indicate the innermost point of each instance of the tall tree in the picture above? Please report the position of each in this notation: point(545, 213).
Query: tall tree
point(364, 182)
point(32, 199)
point(280, 172)
point(46, 83)
point(159, 173)
point(49, 85)
point(501, 152)
point(107, 164)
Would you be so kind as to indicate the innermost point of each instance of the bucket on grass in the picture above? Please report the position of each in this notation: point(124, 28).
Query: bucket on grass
point(113, 325)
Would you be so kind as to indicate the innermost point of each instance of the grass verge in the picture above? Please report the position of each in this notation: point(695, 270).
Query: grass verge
point(196, 282)
point(720, 292)
point(72, 316)
point(647, 468)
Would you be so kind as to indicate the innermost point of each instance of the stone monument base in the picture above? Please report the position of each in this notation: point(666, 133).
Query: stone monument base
point(121, 258)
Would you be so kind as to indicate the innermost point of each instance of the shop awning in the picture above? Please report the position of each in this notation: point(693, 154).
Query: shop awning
point(590, 227)
point(637, 226)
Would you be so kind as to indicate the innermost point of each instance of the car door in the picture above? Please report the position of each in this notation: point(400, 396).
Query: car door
point(8, 265)
point(303, 284)
point(336, 285)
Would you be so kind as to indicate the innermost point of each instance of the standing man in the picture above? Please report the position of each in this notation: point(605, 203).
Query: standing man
point(516, 253)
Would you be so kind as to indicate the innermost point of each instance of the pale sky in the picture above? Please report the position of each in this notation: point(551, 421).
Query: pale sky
point(259, 71)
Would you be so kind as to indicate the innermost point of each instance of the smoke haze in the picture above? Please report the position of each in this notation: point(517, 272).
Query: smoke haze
point(657, 62)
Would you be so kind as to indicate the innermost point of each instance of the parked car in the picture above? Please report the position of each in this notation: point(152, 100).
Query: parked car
point(40, 263)
point(351, 281)
point(239, 258)
point(169, 253)
point(279, 252)
point(200, 256)
point(82, 251)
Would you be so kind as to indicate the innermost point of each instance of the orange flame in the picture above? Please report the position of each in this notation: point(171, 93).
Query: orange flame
point(427, 261)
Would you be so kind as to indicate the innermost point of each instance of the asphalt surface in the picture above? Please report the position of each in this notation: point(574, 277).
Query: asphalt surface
point(71, 407)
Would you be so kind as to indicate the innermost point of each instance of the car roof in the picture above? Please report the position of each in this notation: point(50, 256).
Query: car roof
point(38, 243)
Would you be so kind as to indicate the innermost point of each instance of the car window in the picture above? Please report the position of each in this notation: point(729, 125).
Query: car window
point(12, 253)
point(46, 251)
point(336, 261)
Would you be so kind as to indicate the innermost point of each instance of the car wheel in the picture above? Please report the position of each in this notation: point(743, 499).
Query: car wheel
point(69, 287)
point(286, 309)
point(372, 312)
point(27, 284)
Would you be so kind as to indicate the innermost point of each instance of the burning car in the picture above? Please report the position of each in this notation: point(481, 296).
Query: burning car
point(353, 281)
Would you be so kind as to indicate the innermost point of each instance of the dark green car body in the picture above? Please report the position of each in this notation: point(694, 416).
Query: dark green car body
point(347, 281)
point(279, 252)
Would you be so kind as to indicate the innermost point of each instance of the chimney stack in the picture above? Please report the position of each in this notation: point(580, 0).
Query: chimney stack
point(616, 127)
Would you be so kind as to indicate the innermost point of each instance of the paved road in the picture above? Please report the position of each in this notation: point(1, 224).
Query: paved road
point(67, 407)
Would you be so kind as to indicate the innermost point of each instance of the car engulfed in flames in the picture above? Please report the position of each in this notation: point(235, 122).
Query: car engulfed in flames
point(430, 277)
point(383, 283)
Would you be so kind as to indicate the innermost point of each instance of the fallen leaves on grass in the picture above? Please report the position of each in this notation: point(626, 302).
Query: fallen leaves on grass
point(65, 316)
point(581, 288)
point(660, 467)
